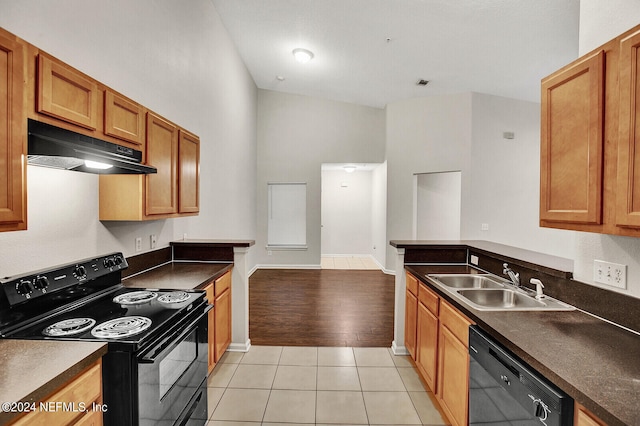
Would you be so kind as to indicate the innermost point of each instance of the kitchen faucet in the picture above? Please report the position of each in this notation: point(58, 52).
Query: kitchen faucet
point(514, 276)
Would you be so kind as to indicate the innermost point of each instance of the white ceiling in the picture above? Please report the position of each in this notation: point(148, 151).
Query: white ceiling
point(499, 47)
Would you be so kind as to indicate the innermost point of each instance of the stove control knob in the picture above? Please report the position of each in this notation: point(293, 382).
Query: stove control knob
point(80, 272)
point(119, 260)
point(24, 288)
point(41, 282)
point(109, 262)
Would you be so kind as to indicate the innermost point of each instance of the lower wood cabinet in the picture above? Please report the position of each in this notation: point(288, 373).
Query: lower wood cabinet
point(219, 294)
point(442, 350)
point(427, 335)
point(84, 390)
point(453, 364)
point(583, 417)
point(410, 315)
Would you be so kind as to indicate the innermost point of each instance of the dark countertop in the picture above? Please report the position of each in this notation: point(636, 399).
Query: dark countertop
point(214, 243)
point(595, 362)
point(515, 253)
point(58, 362)
point(179, 275)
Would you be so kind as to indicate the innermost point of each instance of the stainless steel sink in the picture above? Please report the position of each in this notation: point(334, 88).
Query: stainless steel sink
point(467, 281)
point(486, 292)
point(500, 299)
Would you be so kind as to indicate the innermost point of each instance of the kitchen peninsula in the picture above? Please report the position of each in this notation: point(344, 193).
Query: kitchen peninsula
point(593, 360)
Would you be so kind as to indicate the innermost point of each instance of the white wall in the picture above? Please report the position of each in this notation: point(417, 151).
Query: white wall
point(424, 135)
point(600, 22)
point(379, 214)
point(347, 215)
point(176, 60)
point(438, 203)
point(296, 135)
point(505, 178)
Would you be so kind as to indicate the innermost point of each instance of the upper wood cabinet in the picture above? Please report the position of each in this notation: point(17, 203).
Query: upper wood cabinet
point(123, 118)
point(590, 167)
point(189, 171)
point(571, 142)
point(162, 153)
point(13, 133)
point(628, 182)
point(66, 94)
point(172, 192)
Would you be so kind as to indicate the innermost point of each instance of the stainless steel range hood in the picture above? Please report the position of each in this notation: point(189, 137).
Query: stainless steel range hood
point(51, 146)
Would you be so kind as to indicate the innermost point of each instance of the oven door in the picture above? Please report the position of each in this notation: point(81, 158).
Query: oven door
point(171, 375)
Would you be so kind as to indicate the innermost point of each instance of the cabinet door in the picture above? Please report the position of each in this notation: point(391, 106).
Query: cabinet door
point(123, 119)
point(64, 93)
point(162, 153)
point(13, 137)
point(571, 148)
point(189, 166)
point(427, 346)
point(211, 327)
point(583, 417)
point(410, 323)
point(628, 180)
point(453, 377)
point(222, 306)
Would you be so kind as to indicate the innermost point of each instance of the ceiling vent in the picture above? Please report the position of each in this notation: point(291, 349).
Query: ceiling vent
point(422, 82)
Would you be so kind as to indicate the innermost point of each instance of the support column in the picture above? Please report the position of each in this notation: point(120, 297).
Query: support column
point(240, 341)
point(397, 346)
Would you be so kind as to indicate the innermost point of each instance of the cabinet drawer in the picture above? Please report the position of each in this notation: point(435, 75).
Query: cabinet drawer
point(222, 284)
point(457, 323)
point(429, 299)
point(86, 389)
point(412, 284)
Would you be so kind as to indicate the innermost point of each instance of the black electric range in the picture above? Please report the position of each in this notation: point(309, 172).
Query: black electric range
point(155, 368)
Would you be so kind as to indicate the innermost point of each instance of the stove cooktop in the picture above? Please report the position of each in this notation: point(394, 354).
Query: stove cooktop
point(107, 318)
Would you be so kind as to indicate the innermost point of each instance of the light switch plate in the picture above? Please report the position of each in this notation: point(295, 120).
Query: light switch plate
point(613, 274)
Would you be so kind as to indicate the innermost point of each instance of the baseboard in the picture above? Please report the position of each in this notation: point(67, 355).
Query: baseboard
point(292, 266)
point(239, 347)
point(399, 350)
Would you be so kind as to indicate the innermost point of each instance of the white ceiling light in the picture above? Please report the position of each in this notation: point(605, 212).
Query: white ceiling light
point(302, 55)
point(349, 169)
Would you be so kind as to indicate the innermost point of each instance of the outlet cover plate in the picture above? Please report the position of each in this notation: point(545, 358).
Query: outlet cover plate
point(613, 274)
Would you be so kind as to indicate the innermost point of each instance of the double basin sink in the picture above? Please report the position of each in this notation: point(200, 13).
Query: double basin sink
point(491, 293)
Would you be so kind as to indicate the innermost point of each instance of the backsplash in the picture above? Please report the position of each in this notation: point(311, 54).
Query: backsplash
point(615, 307)
point(612, 306)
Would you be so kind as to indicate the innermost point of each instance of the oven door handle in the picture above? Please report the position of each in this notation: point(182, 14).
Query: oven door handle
point(170, 342)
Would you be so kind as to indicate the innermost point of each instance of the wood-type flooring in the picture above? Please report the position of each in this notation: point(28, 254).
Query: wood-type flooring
point(321, 308)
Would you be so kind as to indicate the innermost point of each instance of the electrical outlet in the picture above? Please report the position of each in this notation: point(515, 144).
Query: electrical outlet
point(613, 274)
point(154, 241)
point(474, 259)
point(138, 243)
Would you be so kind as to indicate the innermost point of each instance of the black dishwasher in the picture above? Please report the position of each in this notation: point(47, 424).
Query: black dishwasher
point(503, 390)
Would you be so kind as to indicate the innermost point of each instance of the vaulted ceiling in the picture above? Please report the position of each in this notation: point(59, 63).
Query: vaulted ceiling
point(372, 52)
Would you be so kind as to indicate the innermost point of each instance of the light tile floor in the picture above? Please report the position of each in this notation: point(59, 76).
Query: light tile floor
point(348, 262)
point(273, 385)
